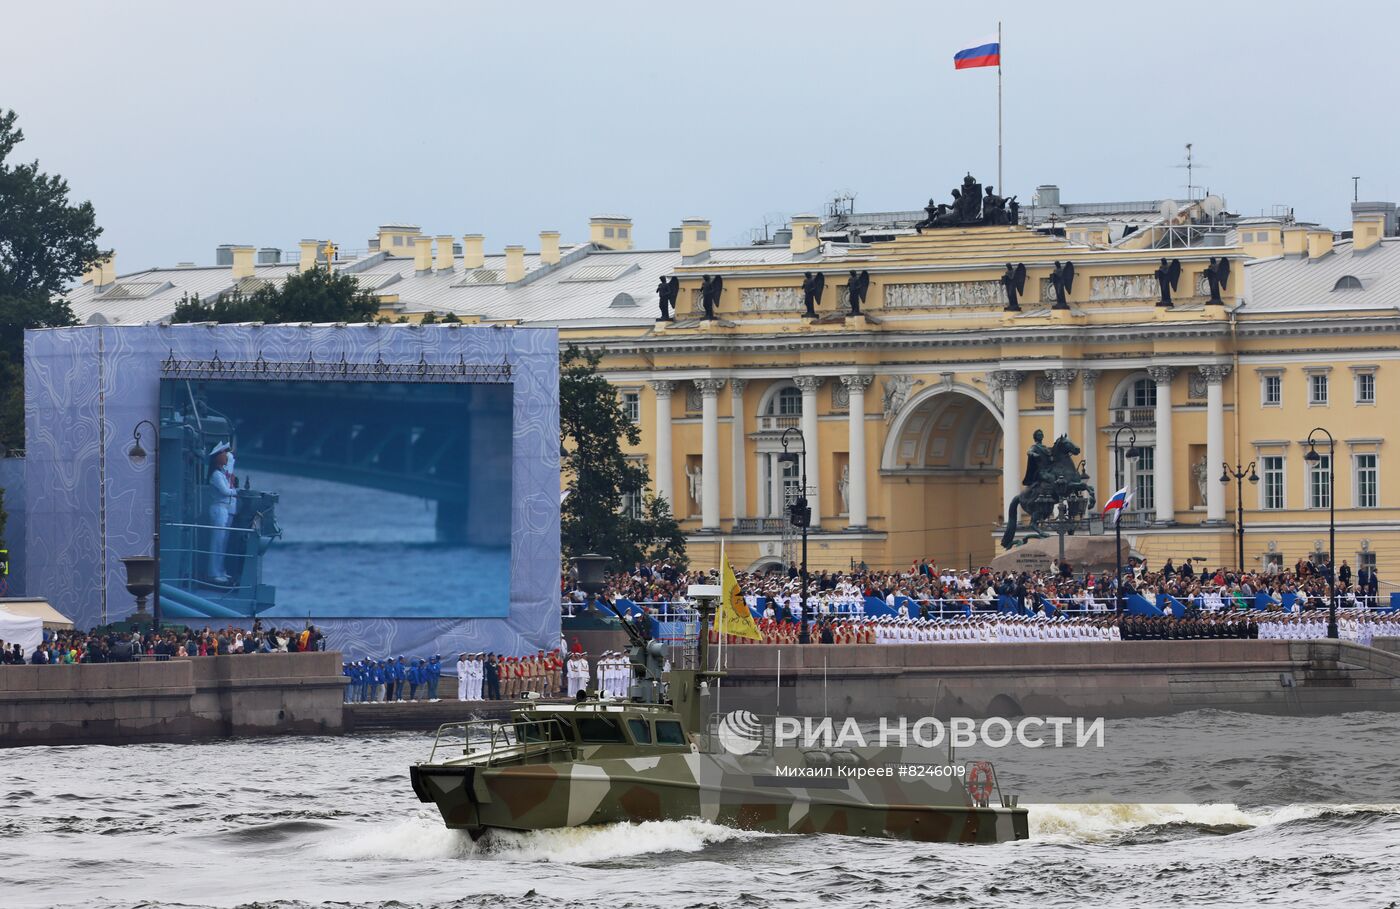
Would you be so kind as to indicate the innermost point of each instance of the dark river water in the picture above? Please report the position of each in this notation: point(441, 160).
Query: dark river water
point(333, 823)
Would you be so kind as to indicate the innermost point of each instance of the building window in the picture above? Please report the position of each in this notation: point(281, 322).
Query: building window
point(1275, 559)
point(398, 241)
point(1144, 493)
point(632, 504)
point(608, 232)
point(1143, 393)
point(1319, 482)
point(702, 235)
point(622, 233)
point(1365, 388)
point(1271, 489)
point(1317, 388)
point(1367, 481)
point(1366, 560)
point(632, 406)
point(1347, 282)
point(788, 403)
point(1273, 390)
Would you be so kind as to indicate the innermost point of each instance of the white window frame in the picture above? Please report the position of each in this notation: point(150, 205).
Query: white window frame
point(1360, 377)
point(1311, 476)
point(1264, 482)
point(1264, 376)
point(630, 397)
point(1356, 457)
point(1318, 380)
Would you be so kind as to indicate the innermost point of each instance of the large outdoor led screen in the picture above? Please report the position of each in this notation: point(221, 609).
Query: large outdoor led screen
point(316, 499)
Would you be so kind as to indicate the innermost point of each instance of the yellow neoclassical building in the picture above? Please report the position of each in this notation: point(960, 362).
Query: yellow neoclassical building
point(911, 409)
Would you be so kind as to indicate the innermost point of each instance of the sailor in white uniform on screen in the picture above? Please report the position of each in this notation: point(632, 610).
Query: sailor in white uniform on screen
point(222, 504)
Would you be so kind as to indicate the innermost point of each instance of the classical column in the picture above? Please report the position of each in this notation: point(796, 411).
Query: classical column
point(1088, 378)
point(760, 473)
point(1061, 379)
point(1215, 438)
point(810, 443)
point(662, 478)
point(740, 482)
point(855, 386)
point(1162, 466)
point(709, 452)
point(1009, 381)
point(775, 486)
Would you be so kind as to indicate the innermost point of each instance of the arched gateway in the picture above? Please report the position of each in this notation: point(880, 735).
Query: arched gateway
point(942, 463)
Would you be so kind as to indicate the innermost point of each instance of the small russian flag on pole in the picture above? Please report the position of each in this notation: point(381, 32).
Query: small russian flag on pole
point(986, 52)
point(1116, 503)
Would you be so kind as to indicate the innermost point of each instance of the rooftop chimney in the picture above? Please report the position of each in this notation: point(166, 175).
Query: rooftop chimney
point(804, 234)
point(549, 247)
point(473, 251)
point(675, 242)
point(445, 259)
point(395, 239)
point(610, 231)
point(515, 263)
point(102, 272)
point(695, 237)
point(1369, 222)
point(243, 266)
point(1047, 195)
point(422, 254)
point(1319, 243)
point(306, 258)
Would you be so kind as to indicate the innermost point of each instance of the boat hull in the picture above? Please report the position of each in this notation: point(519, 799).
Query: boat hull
point(722, 789)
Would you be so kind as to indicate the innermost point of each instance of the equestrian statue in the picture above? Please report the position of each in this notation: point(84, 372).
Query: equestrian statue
point(1051, 481)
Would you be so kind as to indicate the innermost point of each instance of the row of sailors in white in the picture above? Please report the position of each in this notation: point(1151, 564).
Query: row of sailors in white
point(890, 630)
point(1357, 626)
point(471, 672)
point(614, 674)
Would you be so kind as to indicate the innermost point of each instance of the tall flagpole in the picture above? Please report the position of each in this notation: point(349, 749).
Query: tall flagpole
point(1001, 187)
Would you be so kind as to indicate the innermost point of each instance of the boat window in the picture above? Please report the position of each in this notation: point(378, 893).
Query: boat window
point(538, 732)
point(641, 732)
point(669, 732)
point(599, 730)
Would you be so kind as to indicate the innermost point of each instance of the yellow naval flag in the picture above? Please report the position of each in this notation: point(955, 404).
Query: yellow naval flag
point(734, 615)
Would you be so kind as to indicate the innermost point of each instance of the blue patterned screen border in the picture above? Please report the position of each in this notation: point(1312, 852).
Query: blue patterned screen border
point(87, 504)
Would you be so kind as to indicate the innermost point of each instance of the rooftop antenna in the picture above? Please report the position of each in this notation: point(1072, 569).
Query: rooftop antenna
point(1190, 167)
point(1355, 189)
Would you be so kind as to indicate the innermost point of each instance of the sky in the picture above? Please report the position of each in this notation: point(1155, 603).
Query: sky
point(189, 125)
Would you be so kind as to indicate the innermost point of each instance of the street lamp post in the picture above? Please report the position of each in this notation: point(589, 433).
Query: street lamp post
point(1132, 452)
point(1239, 477)
point(800, 516)
point(137, 454)
point(1312, 457)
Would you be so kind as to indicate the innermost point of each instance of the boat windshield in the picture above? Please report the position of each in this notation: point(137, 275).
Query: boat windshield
point(599, 730)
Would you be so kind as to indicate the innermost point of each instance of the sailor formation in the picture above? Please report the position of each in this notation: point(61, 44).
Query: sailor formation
point(1353, 624)
point(613, 674)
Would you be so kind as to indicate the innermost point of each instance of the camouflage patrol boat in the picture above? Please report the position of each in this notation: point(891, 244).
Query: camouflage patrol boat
point(598, 761)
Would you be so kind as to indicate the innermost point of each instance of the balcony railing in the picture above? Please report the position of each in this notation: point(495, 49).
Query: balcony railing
point(759, 525)
point(778, 424)
point(1134, 416)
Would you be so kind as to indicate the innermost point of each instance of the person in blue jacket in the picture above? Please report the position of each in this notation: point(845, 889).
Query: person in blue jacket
point(379, 679)
point(415, 678)
point(401, 678)
point(366, 692)
point(434, 675)
point(348, 671)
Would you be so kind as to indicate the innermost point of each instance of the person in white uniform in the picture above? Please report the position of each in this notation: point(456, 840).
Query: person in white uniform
point(463, 677)
point(222, 504)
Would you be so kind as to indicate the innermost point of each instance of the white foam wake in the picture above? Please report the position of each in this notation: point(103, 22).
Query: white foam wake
point(423, 837)
point(1100, 823)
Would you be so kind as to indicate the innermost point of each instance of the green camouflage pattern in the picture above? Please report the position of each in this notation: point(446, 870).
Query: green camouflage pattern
point(557, 780)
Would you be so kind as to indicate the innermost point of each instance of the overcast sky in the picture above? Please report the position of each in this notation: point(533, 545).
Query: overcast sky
point(193, 124)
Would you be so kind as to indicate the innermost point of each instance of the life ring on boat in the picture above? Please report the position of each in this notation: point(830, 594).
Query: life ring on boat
point(979, 780)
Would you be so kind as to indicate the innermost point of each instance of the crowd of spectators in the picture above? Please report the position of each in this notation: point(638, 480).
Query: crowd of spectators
point(112, 646)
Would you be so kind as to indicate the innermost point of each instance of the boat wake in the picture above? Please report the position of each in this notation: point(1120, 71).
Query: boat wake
point(1135, 824)
point(423, 837)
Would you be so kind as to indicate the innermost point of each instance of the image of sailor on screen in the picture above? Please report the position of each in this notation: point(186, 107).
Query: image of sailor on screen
point(223, 502)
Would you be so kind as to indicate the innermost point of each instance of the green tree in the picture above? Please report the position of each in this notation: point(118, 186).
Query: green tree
point(315, 295)
point(592, 429)
point(45, 243)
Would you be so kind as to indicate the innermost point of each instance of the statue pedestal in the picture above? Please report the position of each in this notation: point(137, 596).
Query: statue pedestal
point(663, 324)
point(857, 322)
point(1091, 553)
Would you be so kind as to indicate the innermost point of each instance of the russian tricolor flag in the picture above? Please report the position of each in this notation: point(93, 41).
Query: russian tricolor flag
point(986, 52)
point(1116, 503)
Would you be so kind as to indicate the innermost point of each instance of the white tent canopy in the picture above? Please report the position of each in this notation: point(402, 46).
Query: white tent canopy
point(26, 631)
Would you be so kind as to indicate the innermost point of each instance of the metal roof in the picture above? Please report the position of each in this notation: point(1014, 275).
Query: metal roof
point(1300, 284)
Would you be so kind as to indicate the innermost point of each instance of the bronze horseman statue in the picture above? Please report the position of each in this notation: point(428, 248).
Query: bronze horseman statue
point(1050, 480)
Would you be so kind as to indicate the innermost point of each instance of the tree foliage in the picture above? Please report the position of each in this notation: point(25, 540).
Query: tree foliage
point(45, 243)
point(315, 295)
point(593, 427)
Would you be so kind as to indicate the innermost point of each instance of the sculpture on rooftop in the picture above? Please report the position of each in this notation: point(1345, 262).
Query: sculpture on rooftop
point(711, 286)
point(857, 285)
point(1218, 277)
point(972, 206)
point(666, 293)
point(1062, 279)
point(1014, 280)
point(813, 284)
point(1167, 274)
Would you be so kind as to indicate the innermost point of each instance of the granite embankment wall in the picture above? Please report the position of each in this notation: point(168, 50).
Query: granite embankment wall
point(174, 700)
point(1122, 679)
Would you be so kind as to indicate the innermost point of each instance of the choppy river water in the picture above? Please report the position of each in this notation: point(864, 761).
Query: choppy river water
point(333, 822)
